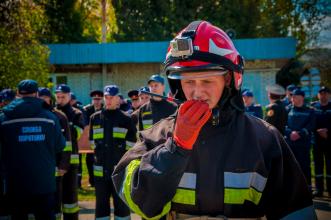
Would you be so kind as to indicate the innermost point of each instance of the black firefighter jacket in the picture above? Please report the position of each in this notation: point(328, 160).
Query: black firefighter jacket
point(112, 133)
point(241, 168)
point(76, 124)
point(152, 112)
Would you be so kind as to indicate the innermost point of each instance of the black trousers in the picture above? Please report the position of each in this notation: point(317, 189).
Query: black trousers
point(4, 206)
point(89, 164)
point(40, 205)
point(104, 189)
point(58, 195)
point(70, 195)
point(322, 152)
point(302, 154)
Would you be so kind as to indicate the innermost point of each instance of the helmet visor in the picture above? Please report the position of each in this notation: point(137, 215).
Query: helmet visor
point(196, 74)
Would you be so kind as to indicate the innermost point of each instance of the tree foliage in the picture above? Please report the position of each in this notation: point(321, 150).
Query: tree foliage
point(22, 56)
point(76, 21)
point(65, 22)
point(141, 20)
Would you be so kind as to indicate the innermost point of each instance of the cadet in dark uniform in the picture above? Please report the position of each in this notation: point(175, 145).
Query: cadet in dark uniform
point(62, 158)
point(197, 167)
point(144, 98)
point(298, 132)
point(76, 104)
point(289, 90)
point(96, 96)
point(276, 112)
point(322, 146)
point(70, 179)
point(250, 107)
point(6, 96)
point(157, 108)
point(113, 133)
point(135, 100)
point(30, 137)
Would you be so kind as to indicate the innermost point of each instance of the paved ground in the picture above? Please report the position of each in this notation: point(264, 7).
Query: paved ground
point(322, 205)
point(87, 209)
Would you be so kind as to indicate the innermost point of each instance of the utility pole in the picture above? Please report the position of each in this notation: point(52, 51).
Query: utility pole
point(104, 38)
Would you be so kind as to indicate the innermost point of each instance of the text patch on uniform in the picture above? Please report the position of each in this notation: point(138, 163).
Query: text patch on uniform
point(28, 137)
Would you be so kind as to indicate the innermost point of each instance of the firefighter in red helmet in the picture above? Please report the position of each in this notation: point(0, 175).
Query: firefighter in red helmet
point(211, 160)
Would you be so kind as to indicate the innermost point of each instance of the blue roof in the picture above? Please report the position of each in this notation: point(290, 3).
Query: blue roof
point(154, 52)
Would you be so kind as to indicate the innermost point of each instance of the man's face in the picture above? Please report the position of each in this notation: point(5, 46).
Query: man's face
point(144, 98)
point(298, 100)
point(112, 102)
point(289, 94)
point(62, 98)
point(248, 100)
point(97, 101)
point(73, 102)
point(135, 103)
point(208, 89)
point(156, 87)
point(323, 97)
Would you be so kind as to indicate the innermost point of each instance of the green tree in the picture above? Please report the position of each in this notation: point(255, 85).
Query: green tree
point(65, 22)
point(22, 56)
point(141, 20)
point(76, 21)
point(300, 19)
point(91, 12)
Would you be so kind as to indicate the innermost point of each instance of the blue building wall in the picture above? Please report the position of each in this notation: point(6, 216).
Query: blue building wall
point(132, 63)
point(154, 52)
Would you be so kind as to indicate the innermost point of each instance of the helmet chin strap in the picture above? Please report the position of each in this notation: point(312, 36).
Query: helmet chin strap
point(231, 98)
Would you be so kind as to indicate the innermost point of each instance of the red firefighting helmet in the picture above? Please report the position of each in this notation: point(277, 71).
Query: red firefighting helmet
point(202, 47)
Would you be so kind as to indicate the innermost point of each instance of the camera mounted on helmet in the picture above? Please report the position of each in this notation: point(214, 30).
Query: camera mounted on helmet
point(206, 50)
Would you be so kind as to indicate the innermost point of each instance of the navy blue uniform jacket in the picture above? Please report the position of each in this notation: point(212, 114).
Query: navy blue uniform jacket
point(30, 137)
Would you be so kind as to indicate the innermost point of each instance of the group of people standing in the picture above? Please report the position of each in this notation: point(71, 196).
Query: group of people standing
point(203, 159)
point(304, 126)
point(42, 179)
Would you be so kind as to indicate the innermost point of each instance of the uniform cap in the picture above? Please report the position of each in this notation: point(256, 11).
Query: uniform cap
point(73, 96)
point(299, 92)
point(42, 91)
point(276, 89)
point(96, 93)
point(156, 78)
point(144, 89)
point(63, 88)
point(247, 93)
point(7, 95)
point(27, 86)
point(111, 90)
point(324, 89)
point(133, 94)
point(291, 87)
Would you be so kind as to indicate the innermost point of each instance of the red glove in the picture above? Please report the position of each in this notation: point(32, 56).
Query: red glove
point(192, 115)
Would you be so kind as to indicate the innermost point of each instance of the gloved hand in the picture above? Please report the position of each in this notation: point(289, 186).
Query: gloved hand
point(192, 115)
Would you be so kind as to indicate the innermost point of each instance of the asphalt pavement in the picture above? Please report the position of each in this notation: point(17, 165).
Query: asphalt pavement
point(322, 207)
